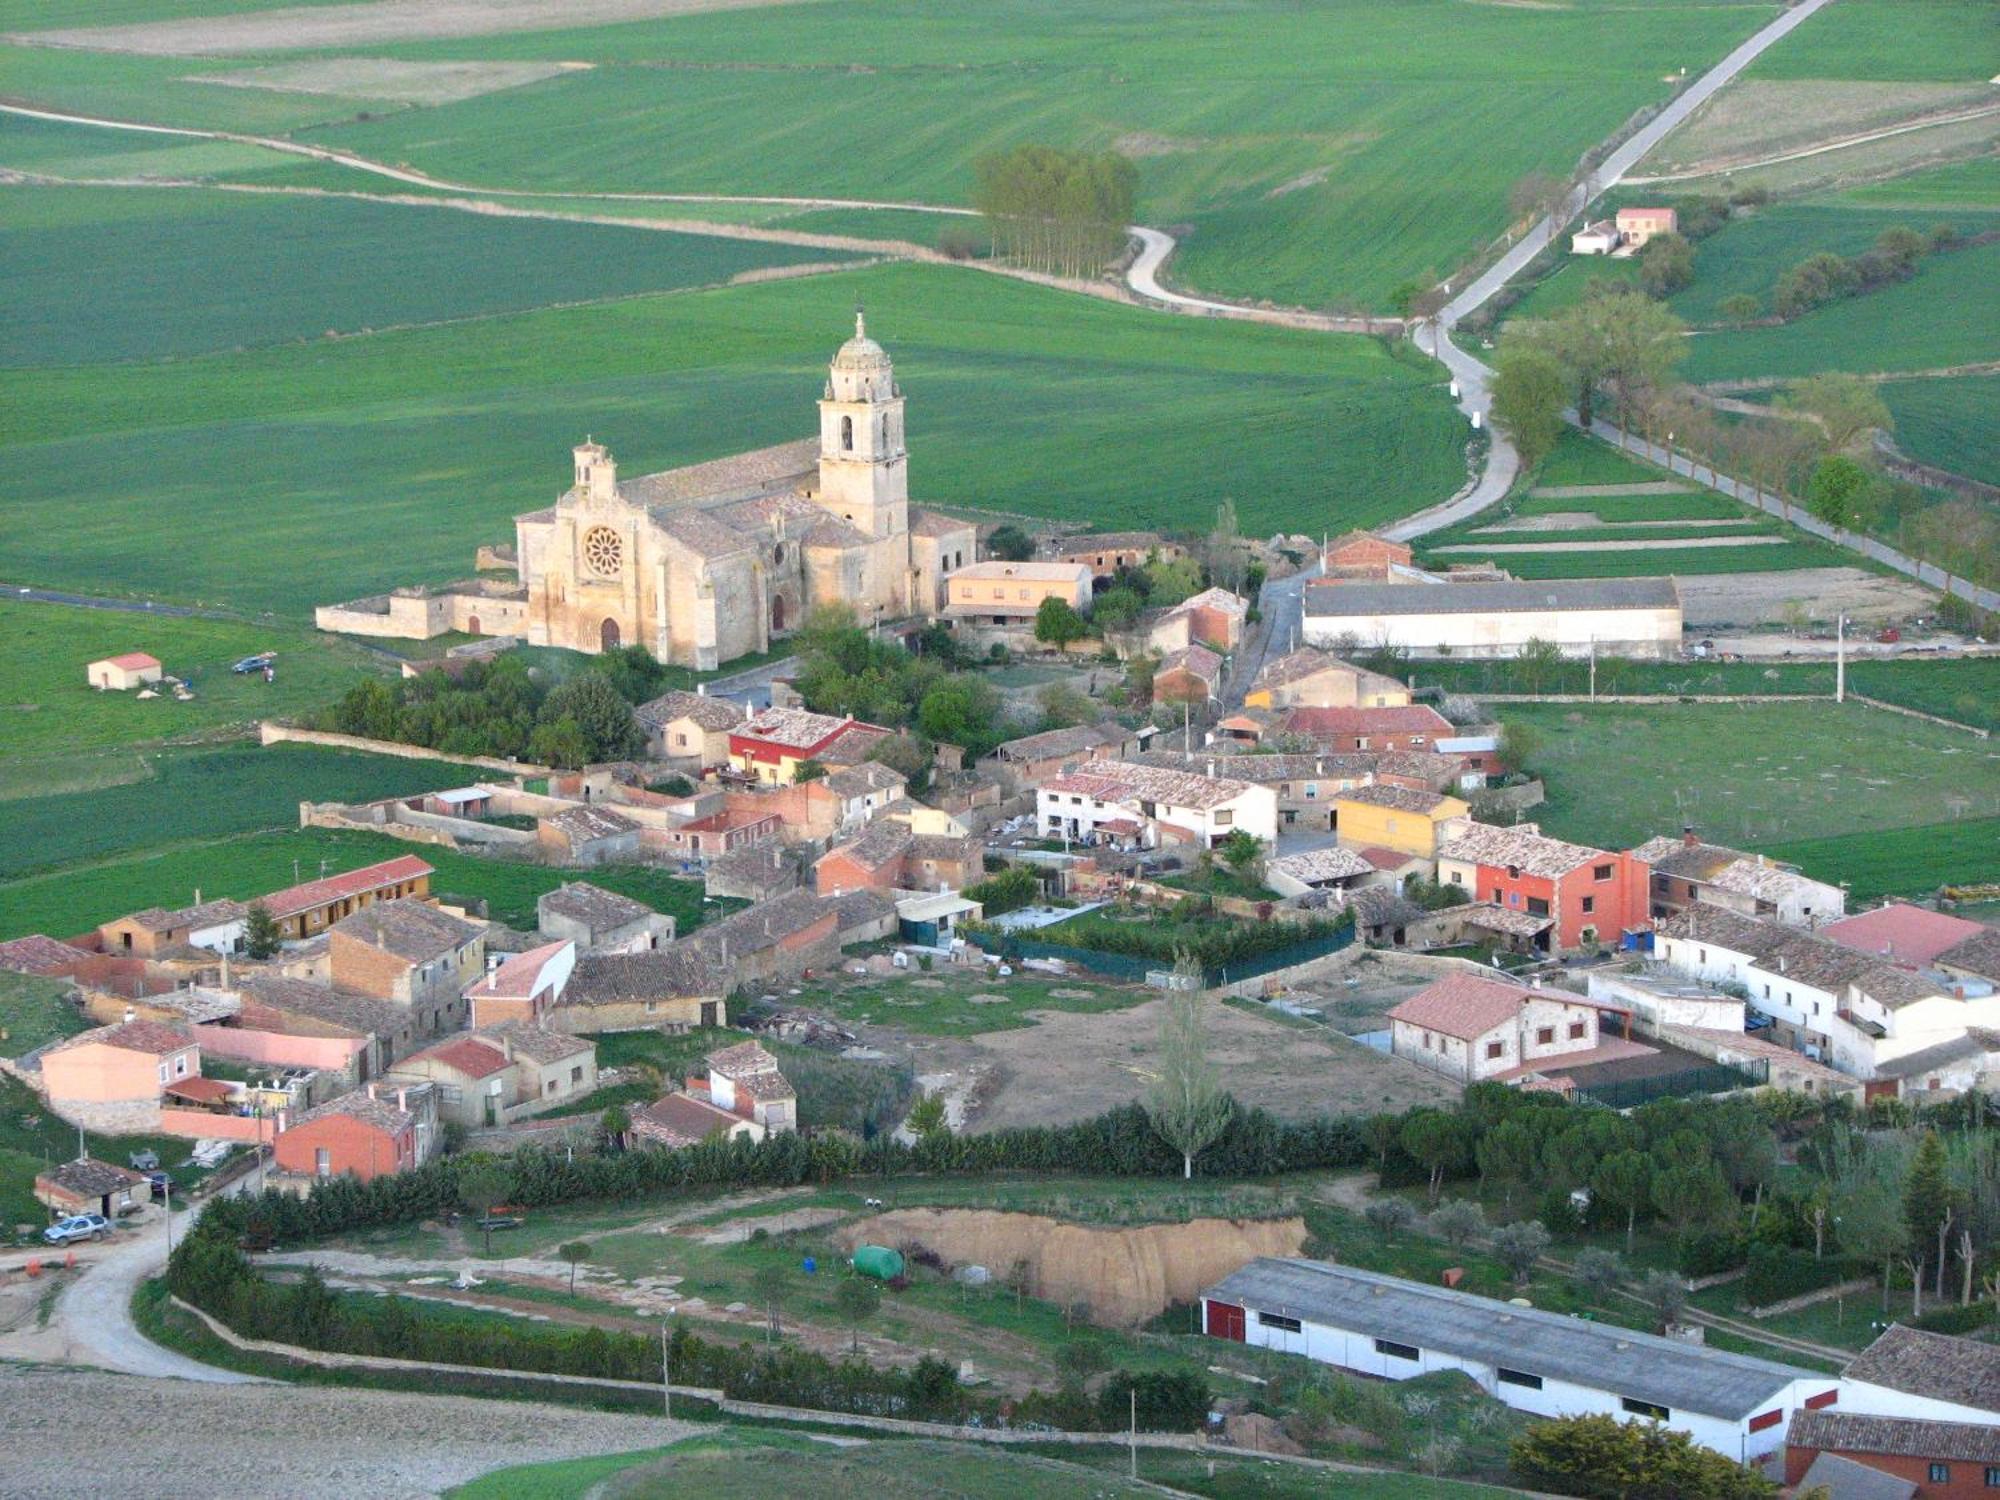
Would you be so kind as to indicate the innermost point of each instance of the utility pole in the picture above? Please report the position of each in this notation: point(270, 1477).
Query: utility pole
point(1593, 669)
point(169, 1201)
point(1840, 658)
point(666, 1374)
point(1133, 1436)
point(1187, 728)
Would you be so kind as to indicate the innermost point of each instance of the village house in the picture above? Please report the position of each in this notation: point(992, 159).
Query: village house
point(1034, 758)
point(118, 674)
point(689, 730)
point(1412, 726)
point(744, 1079)
point(1686, 870)
point(301, 1022)
point(376, 1130)
point(600, 921)
point(304, 911)
point(677, 1120)
point(1306, 785)
point(774, 942)
point(889, 855)
point(1544, 1363)
point(588, 836)
point(1149, 806)
point(1973, 958)
point(493, 1077)
point(1635, 617)
point(865, 790)
point(1192, 674)
point(1401, 819)
point(1362, 556)
point(522, 988)
point(218, 926)
point(1900, 1030)
point(1475, 1029)
point(111, 1078)
point(1309, 678)
point(1912, 937)
point(1638, 226)
point(1597, 238)
point(413, 954)
point(753, 875)
point(674, 989)
point(1856, 1454)
point(89, 1186)
point(1590, 896)
point(1329, 869)
point(38, 953)
point(1909, 1372)
point(1213, 618)
point(1108, 553)
point(772, 745)
point(1006, 596)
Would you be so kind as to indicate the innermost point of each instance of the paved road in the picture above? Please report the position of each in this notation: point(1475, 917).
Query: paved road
point(91, 601)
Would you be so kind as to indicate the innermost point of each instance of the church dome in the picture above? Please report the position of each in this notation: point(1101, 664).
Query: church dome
point(861, 353)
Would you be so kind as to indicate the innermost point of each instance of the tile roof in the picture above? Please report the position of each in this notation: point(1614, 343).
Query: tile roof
point(1502, 919)
point(472, 1056)
point(1410, 718)
point(1853, 1481)
point(1382, 906)
point(1268, 769)
point(39, 954)
point(1907, 1437)
point(853, 745)
point(1125, 781)
point(1937, 1365)
point(1397, 798)
point(87, 1177)
point(869, 776)
point(158, 1038)
point(413, 931)
point(1976, 955)
point(1909, 935)
point(709, 713)
point(1747, 1045)
point(936, 523)
point(881, 843)
point(995, 569)
point(133, 660)
point(345, 1010)
point(1308, 661)
point(1812, 960)
point(1345, 600)
point(793, 728)
point(314, 893)
point(765, 1087)
point(1052, 743)
point(741, 1059)
point(519, 978)
point(681, 1120)
point(1391, 860)
point(1197, 659)
point(1523, 847)
point(758, 927)
point(1976, 1041)
point(1332, 863)
point(205, 914)
point(738, 476)
point(584, 825)
point(537, 1043)
point(1217, 598)
point(1596, 1356)
point(669, 973)
point(580, 901)
point(379, 1110)
point(1466, 1006)
point(1108, 541)
point(853, 910)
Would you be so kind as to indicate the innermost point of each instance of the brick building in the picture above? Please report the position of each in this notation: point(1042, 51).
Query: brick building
point(412, 954)
point(1852, 1453)
point(377, 1129)
point(305, 911)
point(1590, 896)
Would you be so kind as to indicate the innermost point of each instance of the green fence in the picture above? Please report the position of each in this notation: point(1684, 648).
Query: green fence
point(1717, 1078)
point(1134, 967)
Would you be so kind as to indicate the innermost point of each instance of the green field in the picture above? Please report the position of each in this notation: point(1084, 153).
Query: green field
point(1906, 862)
point(1753, 774)
point(1962, 187)
point(1676, 561)
point(1580, 459)
point(297, 464)
point(1953, 423)
point(1614, 509)
point(1319, 153)
point(943, 1004)
point(77, 898)
point(1889, 40)
point(175, 273)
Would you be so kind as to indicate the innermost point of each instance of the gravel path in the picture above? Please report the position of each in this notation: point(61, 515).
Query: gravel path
point(175, 1439)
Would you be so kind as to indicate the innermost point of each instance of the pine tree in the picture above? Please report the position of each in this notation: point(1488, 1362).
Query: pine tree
point(262, 937)
point(1927, 1196)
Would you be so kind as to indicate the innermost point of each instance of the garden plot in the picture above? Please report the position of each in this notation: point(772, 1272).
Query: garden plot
point(1644, 526)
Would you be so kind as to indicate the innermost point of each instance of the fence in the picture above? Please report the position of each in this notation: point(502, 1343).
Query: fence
point(1134, 967)
point(1717, 1078)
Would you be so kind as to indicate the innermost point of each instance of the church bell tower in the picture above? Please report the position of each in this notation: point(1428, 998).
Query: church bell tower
point(863, 465)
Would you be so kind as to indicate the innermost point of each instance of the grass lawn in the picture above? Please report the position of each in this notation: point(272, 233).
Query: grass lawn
point(1614, 509)
point(1906, 862)
point(1949, 423)
point(34, 1013)
point(953, 1002)
point(77, 898)
point(233, 267)
point(1218, 881)
point(294, 463)
point(1760, 775)
point(1890, 40)
point(1578, 458)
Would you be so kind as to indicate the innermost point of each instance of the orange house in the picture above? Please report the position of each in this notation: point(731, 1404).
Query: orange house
point(112, 1078)
point(374, 1130)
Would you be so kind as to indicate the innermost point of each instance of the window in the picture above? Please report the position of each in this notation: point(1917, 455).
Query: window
point(1704, 955)
point(1601, 872)
point(1397, 1351)
point(1940, 1473)
point(1577, 1030)
point(1519, 1377)
point(1765, 1419)
point(847, 434)
point(1640, 1408)
point(1537, 906)
point(1224, 819)
point(576, 1075)
point(1274, 1320)
point(323, 1162)
point(1589, 905)
point(1496, 1049)
point(550, 1087)
point(1458, 877)
point(1993, 1478)
point(1544, 1036)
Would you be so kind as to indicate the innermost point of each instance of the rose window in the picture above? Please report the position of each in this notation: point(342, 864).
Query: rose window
point(603, 551)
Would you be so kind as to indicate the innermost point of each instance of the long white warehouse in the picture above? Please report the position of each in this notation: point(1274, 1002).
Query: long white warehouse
point(1638, 617)
point(1534, 1361)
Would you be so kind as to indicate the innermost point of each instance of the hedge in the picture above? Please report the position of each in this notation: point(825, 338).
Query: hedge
point(1777, 1273)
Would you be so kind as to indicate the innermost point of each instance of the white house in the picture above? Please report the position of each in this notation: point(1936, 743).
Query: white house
point(1638, 617)
point(118, 674)
point(1859, 1012)
point(1474, 1029)
point(744, 1079)
point(1152, 805)
point(1686, 870)
point(1600, 238)
point(1909, 1373)
point(1534, 1361)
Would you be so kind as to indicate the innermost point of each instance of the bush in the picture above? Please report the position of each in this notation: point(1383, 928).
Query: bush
point(1604, 1459)
point(1709, 1253)
point(1168, 1401)
point(1007, 891)
point(1777, 1272)
point(1956, 1320)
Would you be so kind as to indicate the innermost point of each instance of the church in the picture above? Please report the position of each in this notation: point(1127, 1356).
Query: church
point(707, 563)
point(720, 559)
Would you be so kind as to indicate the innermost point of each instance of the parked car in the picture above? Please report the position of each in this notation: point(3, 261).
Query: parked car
point(160, 1182)
point(256, 663)
point(77, 1227)
point(144, 1161)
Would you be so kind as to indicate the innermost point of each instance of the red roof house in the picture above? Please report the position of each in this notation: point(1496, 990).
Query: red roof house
point(1590, 896)
point(303, 911)
point(1412, 727)
point(1907, 935)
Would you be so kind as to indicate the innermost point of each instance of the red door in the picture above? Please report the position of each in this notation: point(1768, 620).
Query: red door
point(1224, 1320)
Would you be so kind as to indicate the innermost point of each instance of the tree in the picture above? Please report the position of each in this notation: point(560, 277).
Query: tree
point(1242, 851)
point(1598, 1272)
point(1518, 1246)
point(961, 709)
point(1057, 623)
point(1540, 660)
point(1435, 1141)
point(1506, 1155)
point(809, 769)
point(927, 1115)
point(1928, 1202)
point(1187, 1104)
point(1641, 346)
point(1666, 265)
point(614, 1125)
point(1170, 580)
point(1845, 407)
point(1845, 493)
point(1535, 195)
point(1061, 212)
point(1117, 606)
point(1739, 307)
point(1062, 706)
point(1390, 1215)
point(574, 1254)
point(1665, 1293)
point(1010, 543)
point(562, 744)
point(1624, 1180)
point(482, 1187)
point(1602, 1458)
point(1529, 394)
point(1872, 1227)
point(858, 1299)
point(1519, 741)
point(1691, 1194)
point(602, 717)
point(1458, 1223)
point(772, 1286)
point(1081, 1358)
point(261, 935)
point(1745, 1150)
point(1226, 560)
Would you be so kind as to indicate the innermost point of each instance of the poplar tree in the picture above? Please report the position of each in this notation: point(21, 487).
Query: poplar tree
point(1187, 1103)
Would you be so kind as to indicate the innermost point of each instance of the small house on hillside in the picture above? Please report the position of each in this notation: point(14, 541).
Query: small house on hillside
point(118, 674)
point(589, 835)
point(1600, 238)
point(678, 1120)
point(1636, 226)
point(744, 1079)
point(1475, 1029)
point(89, 1186)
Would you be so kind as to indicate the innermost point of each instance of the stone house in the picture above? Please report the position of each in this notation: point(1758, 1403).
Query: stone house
point(1687, 870)
point(745, 1080)
point(673, 989)
point(409, 953)
point(1108, 553)
point(1473, 1029)
point(753, 875)
point(689, 730)
point(1213, 618)
point(1034, 758)
point(679, 1120)
point(601, 921)
point(89, 1186)
point(1307, 678)
point(373, 1131)
point(1411, 726)
point(523, 988)
point(1362, 555)
point(217, 926)
point(111, 1078)
point(774, 941)
point(865, 789)
point(486, 1079)
point(588, 836)
point(1192, 674)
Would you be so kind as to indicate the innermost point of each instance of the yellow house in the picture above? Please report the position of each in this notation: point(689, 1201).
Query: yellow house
point(1312, 679)
point(1009, 593)
point(1402, 819)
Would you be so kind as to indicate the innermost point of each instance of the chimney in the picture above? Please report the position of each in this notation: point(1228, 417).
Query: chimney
point(701, 690)
point(1319, 768)
point(1211, 769)
point(371, 1088)
point(1689, 838)
point(403, 1100)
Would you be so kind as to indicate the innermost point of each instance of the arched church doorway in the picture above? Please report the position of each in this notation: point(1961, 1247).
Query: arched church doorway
point(607, 635)
point(777, 612)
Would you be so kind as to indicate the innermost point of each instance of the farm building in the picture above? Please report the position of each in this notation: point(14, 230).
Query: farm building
point(1686, 870)
point(1213, 618)
point(678, 1120)
point(588, 835)
point(1312, 679)
point(119, 674)
point(745, 1080)
point(89, 1186)
point(1600, 238)
point(1362, 555)
point(1036, 757)
point(1637, 226)
point(217, 926)
point(305, 911)
point(1637, 617)
point(1408, 726)
point(600, 921)
point(1104, 554)
point(1192, 674)
point(1853, 1454)
point(1537, 1362)
point(672, 989)
point(1910, 1373)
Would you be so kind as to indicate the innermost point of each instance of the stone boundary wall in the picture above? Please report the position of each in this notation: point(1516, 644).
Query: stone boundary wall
point(272, 733)
point(1893, 708)
point(1917, 713)
point(1852, 1288)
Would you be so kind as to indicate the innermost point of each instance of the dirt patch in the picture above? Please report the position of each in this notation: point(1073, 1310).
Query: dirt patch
point(1755, 118)
point(986, 999)
point(1141, 143)
point(1722, 600)
point(1301, 182)
point(1126, 1275)
point(737, 1231)
point(328, 27)
point(387, 78)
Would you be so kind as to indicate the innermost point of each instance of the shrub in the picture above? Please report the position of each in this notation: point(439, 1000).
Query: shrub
point(1168, 1400)
point(1777, 1272)
point(1710, 1253)
point(1007, 891)
point(1956, 1320)
point(1604, 1459)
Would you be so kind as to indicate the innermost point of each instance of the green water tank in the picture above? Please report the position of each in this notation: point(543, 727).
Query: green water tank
point(878, 1261)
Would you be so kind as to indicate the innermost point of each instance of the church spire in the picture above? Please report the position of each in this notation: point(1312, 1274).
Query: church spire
point(860, 323)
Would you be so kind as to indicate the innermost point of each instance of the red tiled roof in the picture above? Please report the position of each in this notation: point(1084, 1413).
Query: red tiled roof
point(681, 1120)
point(1386, 859)
point(464, 1054)
point(1462, 1005)
point(200, 1090)
point(1414, 718)
point(295, 899)
point(156, 1037)
point(1908, 935)
point(134, 661)
point(39, 954)
point(517, 978)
